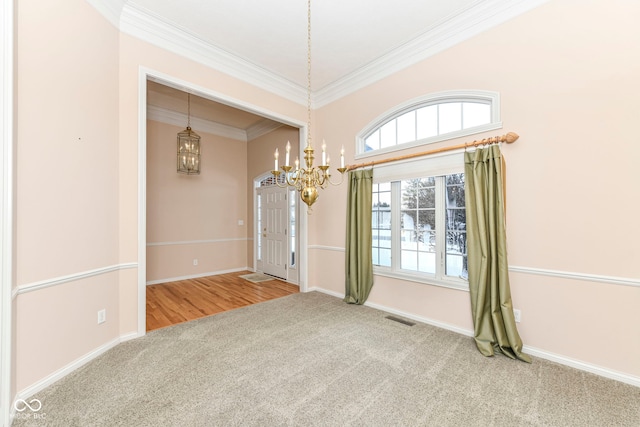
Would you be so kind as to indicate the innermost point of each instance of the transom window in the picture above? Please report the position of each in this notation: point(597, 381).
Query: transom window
point(431, 119)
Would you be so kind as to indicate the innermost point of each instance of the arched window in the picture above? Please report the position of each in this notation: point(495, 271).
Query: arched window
point(419, 223)
point(432, 118)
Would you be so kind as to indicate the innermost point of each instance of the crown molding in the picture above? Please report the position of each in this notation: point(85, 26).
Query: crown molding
point(444, 35)
point(164, 115)
point(144, 25)
point(110, 9)
point(261, 128)
point(171, 117)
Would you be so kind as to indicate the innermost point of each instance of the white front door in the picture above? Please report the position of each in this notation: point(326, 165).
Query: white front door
point(275, 221)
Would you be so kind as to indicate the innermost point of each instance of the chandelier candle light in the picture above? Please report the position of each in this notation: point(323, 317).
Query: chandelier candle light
point(309, 179)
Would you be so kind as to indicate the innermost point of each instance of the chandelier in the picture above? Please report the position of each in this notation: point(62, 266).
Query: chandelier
point(188, 147)
point(307, 180)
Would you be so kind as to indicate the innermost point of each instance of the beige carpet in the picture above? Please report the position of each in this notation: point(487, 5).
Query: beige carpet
point(311, 360)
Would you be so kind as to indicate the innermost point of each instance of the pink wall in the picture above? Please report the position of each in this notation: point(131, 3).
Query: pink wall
point(568, 87)
point(67, 140)
point(67, 184)
point(202, 210)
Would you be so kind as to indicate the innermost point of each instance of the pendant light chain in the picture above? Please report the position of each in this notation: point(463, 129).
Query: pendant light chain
point(306, 178)
point(188, 110)
point(309, 72)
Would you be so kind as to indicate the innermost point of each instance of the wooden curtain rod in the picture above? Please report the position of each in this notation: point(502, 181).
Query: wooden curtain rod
point(508, 138)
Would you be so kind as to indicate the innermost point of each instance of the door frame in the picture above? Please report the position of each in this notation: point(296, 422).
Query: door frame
point(7, 197)
point(256, 231)
point(284, 235)
point(145, 74)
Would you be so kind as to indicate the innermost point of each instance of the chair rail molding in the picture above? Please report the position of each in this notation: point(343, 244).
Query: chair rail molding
point(47, 283)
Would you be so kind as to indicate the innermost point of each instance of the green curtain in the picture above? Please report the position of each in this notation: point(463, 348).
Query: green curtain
point(493, 320)
point(358, 260)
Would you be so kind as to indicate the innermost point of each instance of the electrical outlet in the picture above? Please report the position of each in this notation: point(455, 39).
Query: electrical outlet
point(102, 316)
point(517, 315)
point(195, 261)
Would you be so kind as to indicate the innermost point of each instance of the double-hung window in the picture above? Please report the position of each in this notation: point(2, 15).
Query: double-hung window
point(419, 223)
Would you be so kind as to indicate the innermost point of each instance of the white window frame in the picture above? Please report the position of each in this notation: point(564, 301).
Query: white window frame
point(436, 165)
point(477, 96)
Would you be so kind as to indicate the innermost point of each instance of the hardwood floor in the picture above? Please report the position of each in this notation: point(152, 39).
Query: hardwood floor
point(176, 302)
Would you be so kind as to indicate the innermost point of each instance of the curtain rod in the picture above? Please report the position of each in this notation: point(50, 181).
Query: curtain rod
point(508, 138)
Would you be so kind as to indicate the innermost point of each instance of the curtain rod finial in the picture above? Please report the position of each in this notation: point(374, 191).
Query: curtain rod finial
point(511, 137)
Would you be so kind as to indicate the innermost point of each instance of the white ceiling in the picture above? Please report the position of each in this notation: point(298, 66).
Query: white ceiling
point(170, 105)
point(172, 99)
point(264, 42)
point(346, 34)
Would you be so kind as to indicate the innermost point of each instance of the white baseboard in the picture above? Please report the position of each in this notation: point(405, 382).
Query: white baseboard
point(196, 276)
point(66, 370)
point(129, 336)
point(536, 352)
point(583, 366)
point(390, 310)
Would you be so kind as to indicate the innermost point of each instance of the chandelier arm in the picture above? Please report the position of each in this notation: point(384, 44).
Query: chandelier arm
point(317, 177)
point(335, 183)
point(292, 179)
point(326, 176)
point(276, 174)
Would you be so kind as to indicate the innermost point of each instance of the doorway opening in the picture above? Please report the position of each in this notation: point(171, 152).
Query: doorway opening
point(275, 227)
point(146, 76)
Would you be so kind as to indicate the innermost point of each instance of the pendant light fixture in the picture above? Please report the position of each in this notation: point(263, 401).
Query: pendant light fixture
point(188, 147)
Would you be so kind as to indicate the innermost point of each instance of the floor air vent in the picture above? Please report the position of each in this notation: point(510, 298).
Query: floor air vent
point(399, 320)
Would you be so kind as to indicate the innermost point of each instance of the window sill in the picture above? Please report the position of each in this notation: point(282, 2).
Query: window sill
point(457, 284)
